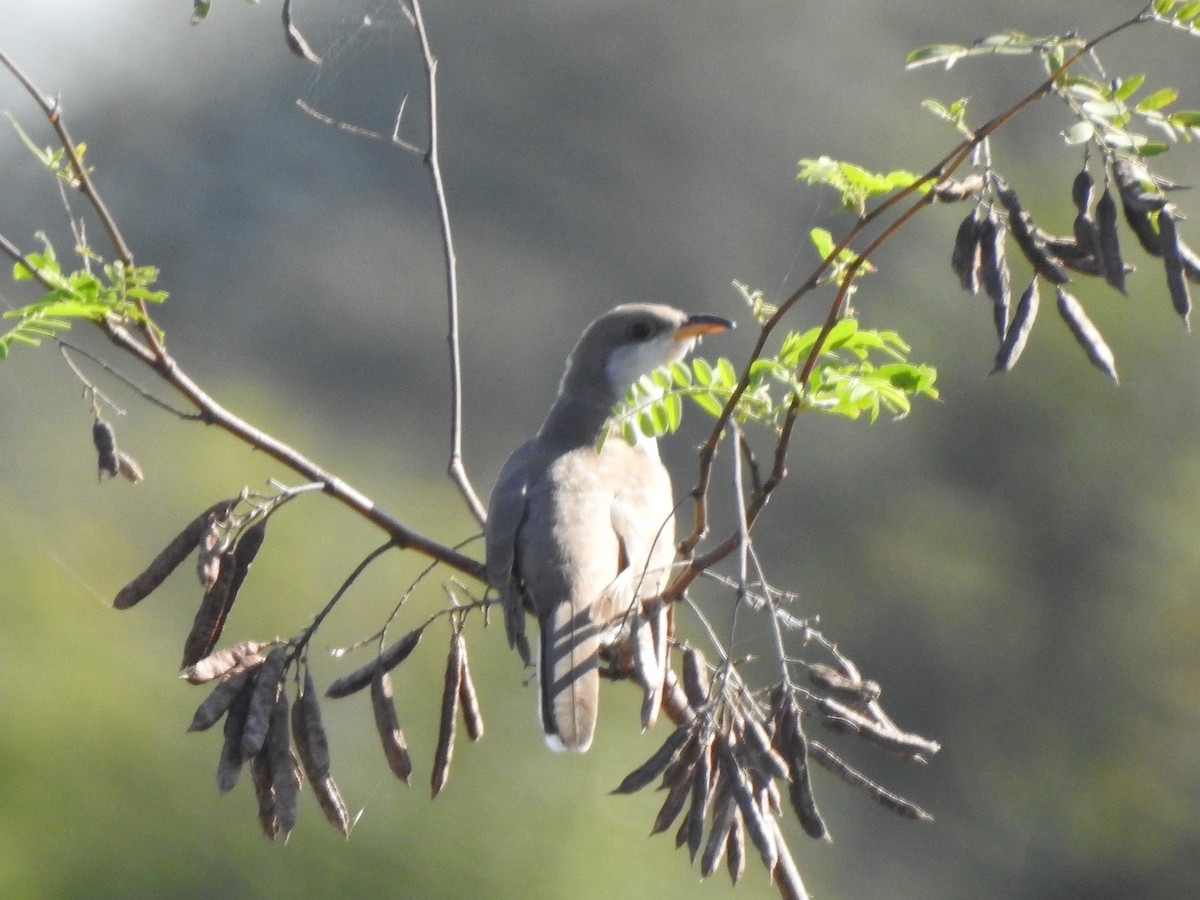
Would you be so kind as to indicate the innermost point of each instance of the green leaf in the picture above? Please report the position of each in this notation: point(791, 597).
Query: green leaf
point(1162, 7)
point(1127, 86)
point(1079, 133)
point(1185, 118)
point(1158, 99)
point(1187, 12)
point(947, 54)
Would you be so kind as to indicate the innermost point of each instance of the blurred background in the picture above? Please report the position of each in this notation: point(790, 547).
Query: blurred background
point(1016, 564)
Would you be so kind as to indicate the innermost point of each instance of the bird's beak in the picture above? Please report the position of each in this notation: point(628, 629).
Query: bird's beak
point(702, 324)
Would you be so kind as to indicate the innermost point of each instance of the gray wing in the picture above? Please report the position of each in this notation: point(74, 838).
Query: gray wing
point(507, 511)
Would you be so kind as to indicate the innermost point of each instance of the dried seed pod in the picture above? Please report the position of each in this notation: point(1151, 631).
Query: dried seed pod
point(842, 718)
point(294, 39)
point(695, 677)
point(169, 558)
point(444, 752)
point(800, 791)
point(1139, 223)
point(760, 754)
point(1018, 331)
point(752, 818)
point(469, 701)
point(1131, 178)
point(993, 268)
point(329, 798)
point(701, 794)
point(1081, 191)
point(262, 701)
point(951, 191)
point(208, 561)
point(679, 771)
point(210, 617)
point(724, 813)
point(735, 848)
point(285, 771)
point(229, 766)
point(390, 658)
point(387, 723)
point(833, 763)
point(964, 258)
point(1108, 241)
point(128, 468)
point(1190, 260)
point(105, 441)
point(244, 552)
point(658, 761)
point(242, 655)
point(1030, 239)
point(1173, 263)
point(264, 793)
point(308, 732)
point(672, 806)
point(1087, 334)
point(854, 690)
point(1087, 237)
point(217, 703)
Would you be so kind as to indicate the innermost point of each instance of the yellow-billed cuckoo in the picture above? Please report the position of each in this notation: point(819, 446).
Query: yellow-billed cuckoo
point(575, 537)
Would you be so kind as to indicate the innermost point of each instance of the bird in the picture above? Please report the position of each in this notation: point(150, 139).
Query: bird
point(576, 536)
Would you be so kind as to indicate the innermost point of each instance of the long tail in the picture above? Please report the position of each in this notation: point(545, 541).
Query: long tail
point(569, 677)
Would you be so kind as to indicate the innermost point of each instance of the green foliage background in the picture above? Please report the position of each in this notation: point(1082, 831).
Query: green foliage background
point(1015, 564)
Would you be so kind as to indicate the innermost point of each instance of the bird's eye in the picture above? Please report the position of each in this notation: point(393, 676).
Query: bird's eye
point(639, 331)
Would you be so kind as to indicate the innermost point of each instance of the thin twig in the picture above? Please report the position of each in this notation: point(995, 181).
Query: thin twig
point(120, 376)
point(455, 468)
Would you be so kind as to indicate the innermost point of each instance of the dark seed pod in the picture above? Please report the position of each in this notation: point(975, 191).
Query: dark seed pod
point(1018, 331)
point(1081, 191)
point(654, 766)
point(1139, 223)
point(645, 665)
point(993, 269)
point(695, 678)
point(390, 658)
point(294, 39)
point(760, 755)
point(1029, 238)
point(210, 617)
point(469, 701)
point(444, 751)
point(951, 191)
point(285, 772)
point(701, 794)
point(735, 849)
point(308, 732)
point(169, 558)
point(1087, 237)
point(672, 806)
point(1131, 179)
point(724, 810)
point(853, 690)
point(208, 561)
point(1173, 263)
point(1109, 243)
point(262, 701)
point(834, 764)
point(1191, 262)
point(244, 553)
point(387, 723)
point(105, 441)
point(229, 766)
point(800, 791)
point(217, 703)
point(264, 793)
point(752, 817)
point(329, 798)
point(1087, 334)
point(964, 258)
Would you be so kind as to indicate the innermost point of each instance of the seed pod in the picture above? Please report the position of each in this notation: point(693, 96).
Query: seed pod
point(800, 791)
point(1108, 243)
point(262, 702)
point(658, 761)
point(695, 677)
point(294, 39)
point(128, 468)
point(964, 258)
point(390, 658)
point(1081, 191)
point(1030, 239)
point(1139, 223)
point(244, 552)
point(444, 752)
point(735, 848)
point(645, 663)
point(1087, 334)
point(308, 732)
point(229, 766)
point(469, 701)
point(1018, 332)
point(724, 812)
point(853, 690)
point(329, 798)
point(701, 794)
point(672, 806)
point(993, 269)
point(950, 191)
point(242, 655)
point(208, 561)
point(285, 772)
point(105, 441)
point(264, 793)
point(1190, 260)
point(833, 763)
point(217, 703)
point(1173, 263)
point(1131, 181)
point(387, 723)
point(1087, 237)
point(169, 558)
point(210, 617)
point(759, 752)
point(751, 815)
